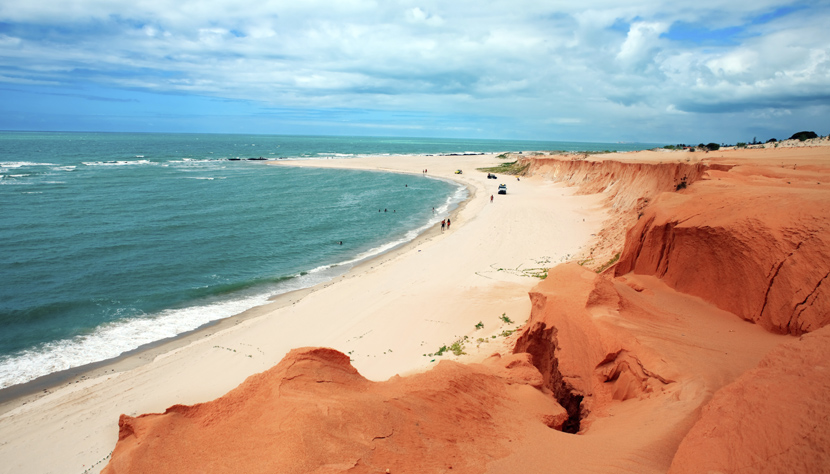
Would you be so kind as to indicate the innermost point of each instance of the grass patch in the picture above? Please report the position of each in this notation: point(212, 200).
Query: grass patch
point(504, 318)
point(507, 168)
point(480, 325)
point(456, 348)
point(540, 273)
point(609, 263)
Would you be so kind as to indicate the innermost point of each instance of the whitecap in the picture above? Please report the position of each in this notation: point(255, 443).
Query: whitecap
point(20, 164)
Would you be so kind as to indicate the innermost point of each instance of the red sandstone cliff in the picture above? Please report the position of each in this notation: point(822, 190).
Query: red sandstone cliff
point(585, 362)
point(753, 241)
point(638, 357)
point(629, 188)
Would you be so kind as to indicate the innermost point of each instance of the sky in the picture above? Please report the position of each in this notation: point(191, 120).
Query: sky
point(656, 71)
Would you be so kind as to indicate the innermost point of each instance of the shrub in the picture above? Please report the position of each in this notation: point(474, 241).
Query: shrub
point(740, 145)
point(713, 146)
point(803, 136)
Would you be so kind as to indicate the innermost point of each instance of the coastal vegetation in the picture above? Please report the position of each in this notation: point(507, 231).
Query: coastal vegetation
point(801, 136)
point(513, 167)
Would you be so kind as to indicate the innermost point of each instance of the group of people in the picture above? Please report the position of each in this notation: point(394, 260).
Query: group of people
point(445, 223)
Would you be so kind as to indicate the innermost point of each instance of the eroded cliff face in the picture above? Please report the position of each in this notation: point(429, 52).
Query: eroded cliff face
point(585, 363)
point(753, 241)
point(629, 187)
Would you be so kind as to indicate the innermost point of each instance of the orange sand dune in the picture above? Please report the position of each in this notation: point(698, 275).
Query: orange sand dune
point(314, 413)
point(654, 365)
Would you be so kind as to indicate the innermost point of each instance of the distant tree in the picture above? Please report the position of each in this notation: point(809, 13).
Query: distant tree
point(803, 136)
point(772, 140)
point(713, 146)
point(740, 145)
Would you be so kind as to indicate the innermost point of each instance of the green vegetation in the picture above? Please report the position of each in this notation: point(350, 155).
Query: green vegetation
point(503, 156)
point(803, 136)
point(480, 325)
point(504, 318)
point(540, 273)
point(507, 332)
point(507, 168)
point(740, 145)
point(609, 263)
point(713, 146)
point(456, 348)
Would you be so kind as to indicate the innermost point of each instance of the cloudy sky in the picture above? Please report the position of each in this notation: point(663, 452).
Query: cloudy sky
point(664, 71)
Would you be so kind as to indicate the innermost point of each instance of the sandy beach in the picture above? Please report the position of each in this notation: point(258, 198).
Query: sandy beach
point(645, 353)
point(386, 314)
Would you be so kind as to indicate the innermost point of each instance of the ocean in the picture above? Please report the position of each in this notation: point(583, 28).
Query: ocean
point(109, 241)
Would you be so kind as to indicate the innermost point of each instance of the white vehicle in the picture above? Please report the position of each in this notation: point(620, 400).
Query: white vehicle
point(502, 189)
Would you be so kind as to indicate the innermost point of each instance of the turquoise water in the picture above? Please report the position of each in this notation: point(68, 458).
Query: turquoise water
point(111, 241)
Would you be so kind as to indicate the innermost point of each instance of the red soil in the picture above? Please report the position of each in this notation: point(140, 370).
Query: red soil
point(314, 413)
point(650, 360)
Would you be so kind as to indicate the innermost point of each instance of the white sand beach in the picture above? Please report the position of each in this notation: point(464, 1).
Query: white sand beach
point(386, 314)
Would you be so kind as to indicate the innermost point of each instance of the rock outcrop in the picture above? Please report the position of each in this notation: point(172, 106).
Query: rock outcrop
point(313, 412)
point(773, 419)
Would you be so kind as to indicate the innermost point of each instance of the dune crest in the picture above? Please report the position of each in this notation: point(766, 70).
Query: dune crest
point(314, 413)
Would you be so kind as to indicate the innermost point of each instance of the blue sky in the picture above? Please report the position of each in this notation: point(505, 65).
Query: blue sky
point(597, 70)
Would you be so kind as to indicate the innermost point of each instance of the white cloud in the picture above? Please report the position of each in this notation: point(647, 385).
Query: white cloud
point(592, 61)
point(9, 41)
point(641, 43)
point(417, 15)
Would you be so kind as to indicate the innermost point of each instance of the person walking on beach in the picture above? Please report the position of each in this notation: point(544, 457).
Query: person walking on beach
point(491, 198)
point(443, 223)
point(448, 223)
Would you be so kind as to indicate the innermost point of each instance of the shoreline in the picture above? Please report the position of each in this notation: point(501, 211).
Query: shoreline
point(390, 314)
point(21, 394)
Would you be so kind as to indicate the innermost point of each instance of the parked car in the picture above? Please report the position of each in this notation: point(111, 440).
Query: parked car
point(502, 189)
